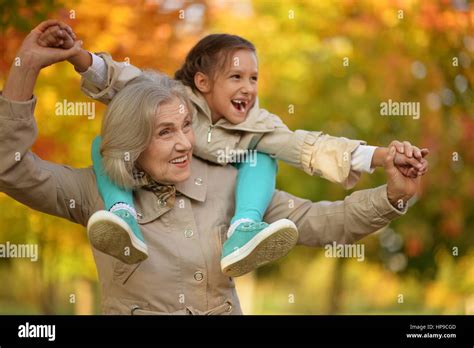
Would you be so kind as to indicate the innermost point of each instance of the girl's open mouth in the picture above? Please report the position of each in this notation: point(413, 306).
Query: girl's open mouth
point(239, 105)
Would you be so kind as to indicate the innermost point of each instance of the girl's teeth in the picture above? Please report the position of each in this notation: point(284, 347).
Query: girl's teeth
point(240, 105)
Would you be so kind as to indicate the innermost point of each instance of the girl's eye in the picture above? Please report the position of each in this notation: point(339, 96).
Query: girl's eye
point(235, 76)
point(255, 78)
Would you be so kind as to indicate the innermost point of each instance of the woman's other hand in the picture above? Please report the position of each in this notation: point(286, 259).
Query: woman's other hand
point(400, 188)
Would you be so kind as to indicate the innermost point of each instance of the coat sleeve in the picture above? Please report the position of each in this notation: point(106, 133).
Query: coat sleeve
point(358, 215)
point(315, 152)
point(41, 185)
point(118, 75)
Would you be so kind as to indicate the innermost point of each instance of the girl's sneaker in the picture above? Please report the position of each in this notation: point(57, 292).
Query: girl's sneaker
point(116, 233)
point(252, 244)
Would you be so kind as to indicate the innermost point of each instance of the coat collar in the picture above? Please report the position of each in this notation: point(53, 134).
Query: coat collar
point(195, 187)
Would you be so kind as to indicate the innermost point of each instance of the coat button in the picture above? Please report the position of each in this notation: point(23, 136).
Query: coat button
point(161, 203)
point(228, 308)
point(139, 216)
point(198, 181)
point(188, 233)
point(134, 308)
point(198, 276)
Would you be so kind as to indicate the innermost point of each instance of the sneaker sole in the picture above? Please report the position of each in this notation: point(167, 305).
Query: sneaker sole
point(111, 235)
point(269, 245)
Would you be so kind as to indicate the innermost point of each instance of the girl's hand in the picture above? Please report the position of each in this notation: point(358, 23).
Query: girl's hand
point(33, 55)
point(57, 36)
point(62, 36)
point(409, 159)
point(400, 188)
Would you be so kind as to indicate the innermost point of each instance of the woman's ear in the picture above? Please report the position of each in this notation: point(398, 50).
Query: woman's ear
point(202, 82)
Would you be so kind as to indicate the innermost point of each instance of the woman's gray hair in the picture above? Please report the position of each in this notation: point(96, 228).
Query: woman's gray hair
point(129, 123)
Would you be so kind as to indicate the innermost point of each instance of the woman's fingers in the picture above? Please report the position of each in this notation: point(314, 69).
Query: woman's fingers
point(58, 35)
point(42, 41)
point(65, 38)
point(54, 33)
point(404, 161)
point(55, 36)
point(68, 29)
point(40, 28)
point(49, 36)
point(62, 36)
point(423, 169)
point(412, 173)
point(425, 166)
point(412, 163)
point(64, 54)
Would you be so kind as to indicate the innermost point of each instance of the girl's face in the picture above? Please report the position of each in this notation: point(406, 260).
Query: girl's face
point(167, 158)
point(234, 90)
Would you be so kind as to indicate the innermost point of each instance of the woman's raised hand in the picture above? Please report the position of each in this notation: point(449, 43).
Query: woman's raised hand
point(33, 54)
point(30, 59)
point(61, 36)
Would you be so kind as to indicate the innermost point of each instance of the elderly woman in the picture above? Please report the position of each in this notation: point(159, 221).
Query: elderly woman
point(182, 273)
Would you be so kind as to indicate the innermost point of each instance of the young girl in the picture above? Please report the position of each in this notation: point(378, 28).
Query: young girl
point(221, 76)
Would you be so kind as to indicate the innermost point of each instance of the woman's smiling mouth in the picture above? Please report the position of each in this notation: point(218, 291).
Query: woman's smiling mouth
point(180, 162)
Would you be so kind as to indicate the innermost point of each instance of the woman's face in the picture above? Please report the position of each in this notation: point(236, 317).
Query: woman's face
point(167, 158)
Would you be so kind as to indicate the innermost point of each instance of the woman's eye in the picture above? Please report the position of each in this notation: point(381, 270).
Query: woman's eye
point(164, 132)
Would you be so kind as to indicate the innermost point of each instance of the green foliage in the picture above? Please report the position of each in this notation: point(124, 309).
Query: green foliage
point(24, 15)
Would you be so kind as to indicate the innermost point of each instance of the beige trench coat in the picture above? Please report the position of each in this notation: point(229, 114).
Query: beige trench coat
point(182, 273)
point(314, 152)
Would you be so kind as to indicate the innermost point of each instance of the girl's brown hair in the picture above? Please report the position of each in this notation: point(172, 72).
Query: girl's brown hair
point(210, 55)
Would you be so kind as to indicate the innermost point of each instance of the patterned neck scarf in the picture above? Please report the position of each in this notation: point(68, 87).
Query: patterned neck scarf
point(166, 193)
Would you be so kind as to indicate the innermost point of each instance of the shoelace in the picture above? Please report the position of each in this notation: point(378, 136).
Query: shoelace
point(247, 226)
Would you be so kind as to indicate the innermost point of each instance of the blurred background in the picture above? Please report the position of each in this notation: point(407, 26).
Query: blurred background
point(324, 65)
